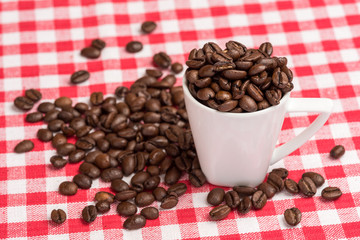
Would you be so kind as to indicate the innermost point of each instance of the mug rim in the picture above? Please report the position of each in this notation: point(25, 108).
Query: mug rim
point(283, 101)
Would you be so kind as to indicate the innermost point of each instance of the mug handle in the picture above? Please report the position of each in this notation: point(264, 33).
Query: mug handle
point(322, 105)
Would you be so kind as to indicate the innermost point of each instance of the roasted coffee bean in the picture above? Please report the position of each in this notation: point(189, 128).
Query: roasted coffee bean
point(67, 131)
point(255, 92)
point(169, 201)
point(292, 216)
point(119, 185)
point(33, 94)
point(63, 102)
point(153, 170)
point(159, 193)
point(126, 209)
point(307, 186)
point(233, 74)
point(58, 161)
point(81, 107)
point(90, 170)
point(151, 183)
point(104, 196)
point(103, 206)
point(128, 164)
point(110, 174)
point(331, 193)
point(197, 178)
point(172, 176)
point(337, 151)
point(90, 157)
point(162, 60)
point(244, 191)
point(102, 161)
point(273, 97)
point(23, 103)
point(245, 205)
point(154, 73)
point(65, 117)
point(220, 212)
point(315, 177)
point(98, 43)
point(134, 47)
point(139, 178)
point(232, 199)
point(259, 199)
point(34, 117)
point(58, 139)
point(256, 69)
point(268, 189)
point(55, 125)
point(68, 188)
point(90, 52)
point(89, 213)
point(247, 103)
point(205, 94)
point(82, 181)
point(263, 105)
point(291, 186)
point(58, 216)
point(79, 76)
point(178, 188)
point(267, 48)
point(125, 195)
point(276, 181)
point(156, 156)
point(281, 172)
point(176, 67)
point(183, 163)
point(148, 26)
point(44, 135)
point(77, 123)
point(96, 98)
point(150, 213)
point(85, 143)
point(45, 107)
point(144, 199)
point(223, 96)
point(134, 222)
point(24, 146)
point(216, 196)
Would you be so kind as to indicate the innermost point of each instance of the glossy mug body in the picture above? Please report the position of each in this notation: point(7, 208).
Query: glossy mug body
point(237, 148)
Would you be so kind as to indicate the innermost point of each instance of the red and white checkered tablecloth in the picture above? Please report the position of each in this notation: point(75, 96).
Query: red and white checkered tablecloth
point(40, 43)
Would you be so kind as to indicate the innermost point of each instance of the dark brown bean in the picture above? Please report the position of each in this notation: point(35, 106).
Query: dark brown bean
point(58, 161)
point(44, 135)
point(307, 186)
point(232, 199)
point(245, 205)
point(24, 146)
point(79, 76)
point(337, 151)
point(90, 170)
point(23, 103)
point(159, 193)
point(268, 189)
point(89, 213)
point(244, 191)
point(292, 216)
point(143, 199)
point(126, 209)
point(90, 52)
point(82, 181)
point(98, 43)
point(103, 206)
point(169, 201)
point(282, 172)
point(291, 186)
point(119, 185)
point(276, 181)
point(34, 117)
point(259, 199)
point(331, 193)
point(125, 195)
point(104, 196)
point(58, 216)
point(178, 188)
point(315, 177)
point(109, 174)
point(216, 196)
point(134, 222)
point(219, 212)
point(150, 213)
point(162, 60)
point(33, 94)
point(68, 188)
point(247, 103)
point(134, 47)
point(148, 26)
point(176, 67)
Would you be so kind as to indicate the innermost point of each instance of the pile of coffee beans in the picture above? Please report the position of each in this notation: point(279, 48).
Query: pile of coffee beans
point(94, 51)
point(27, 102)
point(245, 198)
point(237, 79)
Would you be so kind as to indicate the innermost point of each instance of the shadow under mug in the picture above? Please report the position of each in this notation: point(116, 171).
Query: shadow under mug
point(236, 149)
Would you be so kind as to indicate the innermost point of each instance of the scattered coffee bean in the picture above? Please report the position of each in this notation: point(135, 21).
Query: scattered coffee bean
point(281, 172)
point(126, 209)
point(292, 216)
point(44, 135)
point(23, 103)
point(291, 186)
point(154, 73)
point(337, 151)
point(103, 206)
point(58, 161)
point(169, 201)
point(315, 177)
point(34, 117)
point(89, 213)
point(268, 189)
point(259, 199)
point(134, 222)
point(197, 178)
point(82, 181)
point(65, 149)
point(148, 26)
point(220, 212)
point(104, 196)
point(125, 195)
point(90, 52)
point(244, 191)
point(159, 193)
point(162, 60)
point(178, 188)
point(119, 185)
point(331, 193)
point(232, 199)
point(24, 146)
point(307, 186)
point(79, 76)
point(216, 196)
point(144, 199)
point(276, 181)
point(68, 188)
point(245, 205)
point(177, 67)
point(63, 102)
point(150, 213)
point(134, 47)
point(98, 43)
point(58, 216)
point(33, 94)
point(45, 107)
point(90, 170)
point(109, 174)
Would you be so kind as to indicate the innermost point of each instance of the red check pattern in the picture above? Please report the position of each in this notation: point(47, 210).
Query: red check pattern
point(40, 43)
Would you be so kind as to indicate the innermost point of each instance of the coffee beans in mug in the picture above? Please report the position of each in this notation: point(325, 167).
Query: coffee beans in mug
point(148, 26)
point(216, 196)
point(292, 216)
point(134, 222)
point(58, 216)
point(89, 213)
point(331, 193)
point(337, 151)
point(315, 177)
point(134, 47)
point(220, 212)
point(68, 188)
point(307, 186)
point(24, 146)
point(79, 76)
point(23, 103)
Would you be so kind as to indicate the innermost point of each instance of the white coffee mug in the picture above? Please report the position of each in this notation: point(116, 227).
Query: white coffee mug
point(236, 149)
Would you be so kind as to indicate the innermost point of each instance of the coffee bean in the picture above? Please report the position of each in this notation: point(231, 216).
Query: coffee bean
point(153, 170)
point(96, 98)
point(33, 94)
point(331, 193)
point(44, 135)
point(276, 181)
point(216, 196)
point(103, 206)
point(85, 143)
point(126, 209)
point(169, 201)
point(245, 205)
point(24, 146)
point(119, 185)
point(90, 52)
point(63, 102)
point(58, 161)
point(102, 161)
point(125, 195)
point(65, 149)
point(244, 191)
point(205, 94)
point(178, 188)
point(173, 175)
point(58, 139)
point(67, 131)
point(150, 213)
point(281, 172)
point(162, 60)
point(291, 186)
point(55, 125)
point(51, 115)
point(232, 199)
point(292, 216)
point(58, 216)
point(148, 26)
point(176, 67)
point(134, 47)
point(268, 189)
point(34, 117)
point(154, 73)
point(267, 48)
point(156, 156)
point(23, 103)
point(337, 151)
point(197, 178)
point(98, 43)
point(144, 199)
point(307, 186)
point(110, 174)
point(134, 222)
point(89, 213)
point(247, 103)
point(45, 107)
point(259, 199)
point(68, 188)
point(315, 177)
point(76, 156)
point(159, 193)
point(220, 212)
point(104, 196)
point(152, 182)
point(82, 181)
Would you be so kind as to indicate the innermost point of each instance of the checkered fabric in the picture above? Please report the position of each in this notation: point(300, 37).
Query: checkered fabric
point(40, 43)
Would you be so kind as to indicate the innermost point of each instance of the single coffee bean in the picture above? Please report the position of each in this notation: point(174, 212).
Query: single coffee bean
point(281, 172)
point(151, 183)
point(34, 117)
point(244, 191)
point(268, 189)
point(232, 199)
point(58, 216)
point(102, 161)
point(292, 216)
point(156, 156)
point(178, 188)
point(104, 196)
point(337, 151)
point(68, 188)
point(51, 115)
point(79, 76)
point(247, 103)
point(44, 135)
point(220, 212)
point(159, 193)
point(103, 206)
point(197, 178)
point(259, 199)
point(315, 177)
point(134, 47)
point(96, 98)
point(89, 213)
point(67, 131)
point(58, 161)
point(148, 26)
point(153, 170)
point(169, 201)
point(205, 94)
point(119, 185)
point(162, 60)
point(55, 125)
point(154, 73)
point(24, 146)
point(23, 103)
point(216, 196)
point(63, 102)
point(307, 186)
point(134, 222)
point(109, 174)
point(90, 52)
point(276, 181)
point(245, 205)
point(82, 181)
point(65, 149)
point(33, 94)
point(176, 67)
point(45, 107)
point(291, 186)
point(173, 175)
point(90, 170)
point(126, 209)
point(58, 139)
point(76, 156)
point(98, 43)
point(150, 213)
point(125, 195)
point(144, 199)
point(267, 48)
point(81, 107)
point(331, 193)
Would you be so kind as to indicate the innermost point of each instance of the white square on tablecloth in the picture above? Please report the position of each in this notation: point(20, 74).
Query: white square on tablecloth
point(113, 76)
point(110, 53)
point(15, 160)
point(353, 183)
point(310, 36)
point(97, 235)
point(335, 11)
point(204, 23)
point(238, 20)
point(57, 237)
point(279, 39)
point(132, 234)
point(350, 157)
point(199, 4)
point(271, 17)
point(349, 55)
point(136, 7)
point(108, 30)
point(199, 199)
point(45, 36)
point(11, 84)
point(247, 224)
point(358, 211)
point(340, 130)
point(170, 232)
point(317, 58)
point(9, 61)
point(304, 14)
point(328, 217)
point(16, 186)
point(16, 214)
point(52, 183)
point(15, 133)
point(208, 229)
point(75, 12)
point(169, 26)
point(166, 6)
point(47, 58)
point(104, 9)
point(9, 17)
point(12, 38)
point(49, 81)
point(77, 34)
point(44, 14)
point(311, 161)
point(343, 33)
point(174, 48)
point(325, 80)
